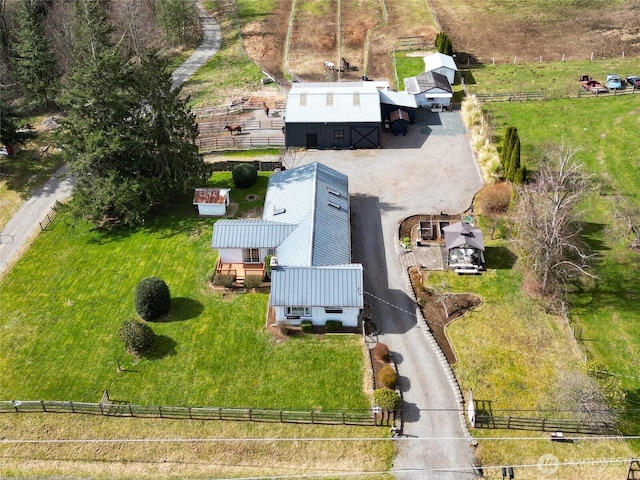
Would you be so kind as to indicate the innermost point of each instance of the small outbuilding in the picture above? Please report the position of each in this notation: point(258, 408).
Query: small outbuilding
point(399, 121)
point(464, 244)
point(211, 202)
point(430, 89)
point(391, 100)
point(442, 64)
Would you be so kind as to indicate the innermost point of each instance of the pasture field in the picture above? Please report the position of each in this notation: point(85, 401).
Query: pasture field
point(62, 304)
point(208, 455)
point(558, 79)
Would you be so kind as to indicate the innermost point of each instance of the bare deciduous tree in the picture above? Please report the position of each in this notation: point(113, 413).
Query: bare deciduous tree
point(546, 220)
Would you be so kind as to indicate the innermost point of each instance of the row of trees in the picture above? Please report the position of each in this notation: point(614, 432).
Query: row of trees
point(40, 38)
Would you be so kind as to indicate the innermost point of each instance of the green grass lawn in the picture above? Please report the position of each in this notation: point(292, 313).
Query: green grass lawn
point(556, 77)
point(604, 315)
point(62, 304)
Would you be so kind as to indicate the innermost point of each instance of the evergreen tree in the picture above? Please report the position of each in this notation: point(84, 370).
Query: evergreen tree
point(514, 158)
point(438, 41)
point(505, 154)
point(32, 60)
point(447, 47)
point(9, 134)
point(129, 138)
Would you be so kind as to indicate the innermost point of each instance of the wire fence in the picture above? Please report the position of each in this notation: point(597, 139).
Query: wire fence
point(539, 95)
point(209, 144)
point(110, 408)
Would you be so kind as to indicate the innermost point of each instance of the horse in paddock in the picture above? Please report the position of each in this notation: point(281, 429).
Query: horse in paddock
point(233, 128)
point(265, 107)
point(345, 64)
point(330, 65)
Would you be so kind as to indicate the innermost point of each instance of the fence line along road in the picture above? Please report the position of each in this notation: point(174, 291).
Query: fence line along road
point(112, 409)
point(545, 425)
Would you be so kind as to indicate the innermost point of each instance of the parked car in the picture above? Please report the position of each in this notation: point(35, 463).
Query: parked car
point(614, 82)
point(633, 81)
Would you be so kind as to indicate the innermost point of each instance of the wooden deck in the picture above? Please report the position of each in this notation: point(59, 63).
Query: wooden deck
point(240, 270)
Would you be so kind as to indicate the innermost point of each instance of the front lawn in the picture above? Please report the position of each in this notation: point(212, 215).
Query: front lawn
point(62, 304)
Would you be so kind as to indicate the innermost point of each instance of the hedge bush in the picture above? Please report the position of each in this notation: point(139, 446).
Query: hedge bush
point(387, 376)
point(244, 175)
point(222, 280)
point(306, 326)
point(153, 299)
point(252, 281)
point(386, 399)
point(380, 351)
point(333, 326)
point(138, 337)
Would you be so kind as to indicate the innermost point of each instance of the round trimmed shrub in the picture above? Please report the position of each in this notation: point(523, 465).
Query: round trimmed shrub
point(244, 175)
point(387, 376)
point(306, 326)
point(153, 299)
point(386, 399)
point(138, 337)
point(380, 351)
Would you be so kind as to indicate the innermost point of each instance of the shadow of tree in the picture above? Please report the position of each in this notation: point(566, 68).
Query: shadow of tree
point(500, 257)
point(164, 347)
point(183, 308)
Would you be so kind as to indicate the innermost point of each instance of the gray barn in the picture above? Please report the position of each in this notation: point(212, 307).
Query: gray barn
point(333, 115)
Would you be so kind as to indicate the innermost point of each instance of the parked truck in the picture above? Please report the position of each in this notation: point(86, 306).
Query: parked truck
point(592, 85)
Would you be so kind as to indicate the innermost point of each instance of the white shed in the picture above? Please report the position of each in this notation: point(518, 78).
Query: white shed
point(211, 202)
point(430, 89)
point(442, 64)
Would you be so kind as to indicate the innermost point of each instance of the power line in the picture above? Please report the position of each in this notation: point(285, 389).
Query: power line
point(303, 439)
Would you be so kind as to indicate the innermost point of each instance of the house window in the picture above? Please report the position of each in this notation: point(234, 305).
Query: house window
point(338, 134)
point(271, 251)
point(250, 255)
point(332, 310)
point(298, 311)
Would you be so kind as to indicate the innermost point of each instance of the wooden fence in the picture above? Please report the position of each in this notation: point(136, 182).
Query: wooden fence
point(546, 95)
point(261, 165)
point(50, 217)
point(238, 141)
point(112, 409)
point(207, 128)
point(413, 43)
point(545, 425)
point(235, 107)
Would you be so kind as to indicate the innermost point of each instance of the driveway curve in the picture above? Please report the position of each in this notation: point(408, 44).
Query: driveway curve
point(24, 225)
point(436, 173)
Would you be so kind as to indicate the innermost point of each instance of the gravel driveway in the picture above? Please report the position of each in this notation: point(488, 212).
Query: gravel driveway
point(431, 170)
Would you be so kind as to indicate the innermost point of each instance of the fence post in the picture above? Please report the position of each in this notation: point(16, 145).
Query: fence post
point(72, 409)
point(44, 408)
point(544, 422)
point(312, 421)
point(509, 422)
point(160, 411)
point(250, 418)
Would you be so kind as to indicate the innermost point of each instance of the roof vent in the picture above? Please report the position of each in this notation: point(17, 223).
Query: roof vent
point(334, 205)
point(303, 99)
point(356, 99)
point(279, 211)
point(329, 99)
point(334, 192)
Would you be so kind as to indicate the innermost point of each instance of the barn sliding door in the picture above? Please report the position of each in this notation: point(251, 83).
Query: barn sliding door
point(365, 137)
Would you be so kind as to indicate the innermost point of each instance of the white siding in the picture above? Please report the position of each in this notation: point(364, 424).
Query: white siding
point(212, 209)
point(230, 255)
point(348, 317)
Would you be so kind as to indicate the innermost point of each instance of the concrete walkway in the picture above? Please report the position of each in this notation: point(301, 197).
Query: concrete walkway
point(24, 226)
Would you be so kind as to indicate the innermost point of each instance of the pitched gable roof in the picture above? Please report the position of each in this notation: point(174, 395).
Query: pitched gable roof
point(249, 233)
point(427, 81)
point(438, 60)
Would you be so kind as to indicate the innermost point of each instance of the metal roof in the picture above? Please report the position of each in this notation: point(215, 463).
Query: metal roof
point(316, 199)
point(401, 99)
point(340, 102)
point(249, 233)
point(210, 195)
point(463, 234)
point(428, 81)
point(334, 286)
point(398, 114)
point(438, 60)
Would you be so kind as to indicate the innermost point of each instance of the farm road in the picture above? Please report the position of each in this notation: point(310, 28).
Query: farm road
point(24, 225)
point(438, 174)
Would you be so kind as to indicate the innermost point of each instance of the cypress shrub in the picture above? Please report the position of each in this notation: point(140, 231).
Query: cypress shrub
point(386, 399)
point(333, 326)
point(306, 326)
point(387, 376)
point(153, 299)
point(380, 351)
point(244, 175)
point(138, 337)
